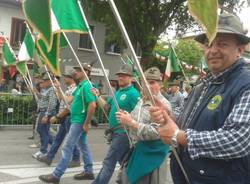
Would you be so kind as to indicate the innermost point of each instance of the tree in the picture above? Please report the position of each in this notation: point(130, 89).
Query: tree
point(146, 20)
point(189, 51)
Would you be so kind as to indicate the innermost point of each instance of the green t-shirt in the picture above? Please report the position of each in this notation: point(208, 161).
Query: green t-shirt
point(79, 106)
point(127, 98)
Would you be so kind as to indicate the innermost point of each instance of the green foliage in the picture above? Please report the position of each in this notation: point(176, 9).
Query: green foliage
point(23, 108)
point(189, 52)
point(146, 20)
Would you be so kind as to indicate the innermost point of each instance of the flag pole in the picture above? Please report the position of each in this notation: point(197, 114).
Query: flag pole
point(129, 44)
point(125, 34)
point(26, 68)
point(84, 73)
point(54, 87)
point(6, 40)
point(102, 66)
point(98, 55)
point(77, 59)
point(179, 63)
point(46, 69)
point(29, 76)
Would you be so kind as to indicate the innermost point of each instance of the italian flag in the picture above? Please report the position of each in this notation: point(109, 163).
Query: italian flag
point(66, 16)
point(9, 57)
point(26, 51)
point(172, 64)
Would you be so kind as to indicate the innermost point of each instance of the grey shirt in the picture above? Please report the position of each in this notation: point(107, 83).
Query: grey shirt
point(177, 102)
point(147, 129)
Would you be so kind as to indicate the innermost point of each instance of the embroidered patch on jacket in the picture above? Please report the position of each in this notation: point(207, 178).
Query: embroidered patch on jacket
point(214, 102)
point(123, 97)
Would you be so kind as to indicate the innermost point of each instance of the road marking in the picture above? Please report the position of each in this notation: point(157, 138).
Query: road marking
point(30, 173)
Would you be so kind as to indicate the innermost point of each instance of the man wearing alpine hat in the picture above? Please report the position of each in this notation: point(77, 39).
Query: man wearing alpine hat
point(212, 132)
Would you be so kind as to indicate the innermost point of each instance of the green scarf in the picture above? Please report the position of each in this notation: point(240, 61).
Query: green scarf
point(146, 157)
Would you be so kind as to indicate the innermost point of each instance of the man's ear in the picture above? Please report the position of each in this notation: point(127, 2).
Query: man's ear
point(241, 49)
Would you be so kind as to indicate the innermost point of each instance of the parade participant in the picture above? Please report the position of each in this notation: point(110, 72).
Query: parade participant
point(148, 161)
point(214, 126)
point(63, 117)
point(82, 108)
point(47, 108)
point(127, 97)
point(175, 97)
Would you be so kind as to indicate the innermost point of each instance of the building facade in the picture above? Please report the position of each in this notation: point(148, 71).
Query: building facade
point(13, 27)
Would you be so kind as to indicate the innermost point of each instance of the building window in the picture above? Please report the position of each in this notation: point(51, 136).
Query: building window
point(84, 41)
point(18, 28)
point(111, 47)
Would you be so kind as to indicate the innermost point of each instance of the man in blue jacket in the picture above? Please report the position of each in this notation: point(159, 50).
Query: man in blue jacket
point(213, 131)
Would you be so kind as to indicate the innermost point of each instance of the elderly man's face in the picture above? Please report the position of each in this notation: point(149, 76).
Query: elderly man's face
point(223, 52)
point(174, 89)
point(45, 84)
point(155, 86)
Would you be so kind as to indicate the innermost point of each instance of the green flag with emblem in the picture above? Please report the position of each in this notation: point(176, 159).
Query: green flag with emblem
point(51, 58)
point(37, 13)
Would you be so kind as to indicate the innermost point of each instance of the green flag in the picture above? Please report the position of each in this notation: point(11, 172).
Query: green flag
point(26, 51)
point(205, 13)
point(172, 64)
point(22, 68)
point(66, 16)
point(9, 57)
point(51, 58)
point(37, 13)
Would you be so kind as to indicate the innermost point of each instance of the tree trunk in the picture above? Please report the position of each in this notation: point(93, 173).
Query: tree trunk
point(147, 56)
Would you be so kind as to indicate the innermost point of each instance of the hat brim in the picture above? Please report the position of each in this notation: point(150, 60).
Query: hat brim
point(76, 67)
point(202, 38)
point(153, 78)
point(46, 79)
point(124, 73)
point(79, 68)
point(67, 75)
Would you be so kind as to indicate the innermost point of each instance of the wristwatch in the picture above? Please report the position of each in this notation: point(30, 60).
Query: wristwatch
point(174, 141)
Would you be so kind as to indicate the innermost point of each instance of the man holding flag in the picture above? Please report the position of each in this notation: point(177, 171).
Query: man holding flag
point(82, 108)
point(212, 133)
point(47, 108)
point(127, 97)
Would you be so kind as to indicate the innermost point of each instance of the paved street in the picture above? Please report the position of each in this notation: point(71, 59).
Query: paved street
point(18, 167)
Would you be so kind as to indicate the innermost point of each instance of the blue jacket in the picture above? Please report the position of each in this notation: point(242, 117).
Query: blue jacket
point(229, 87)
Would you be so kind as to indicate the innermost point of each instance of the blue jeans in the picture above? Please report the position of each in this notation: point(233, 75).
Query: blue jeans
point(43, 131)
point(63, 130)
point(118, 148)
point(75, 135)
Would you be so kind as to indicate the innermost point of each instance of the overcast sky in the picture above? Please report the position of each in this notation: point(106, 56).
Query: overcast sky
point(245, 15)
